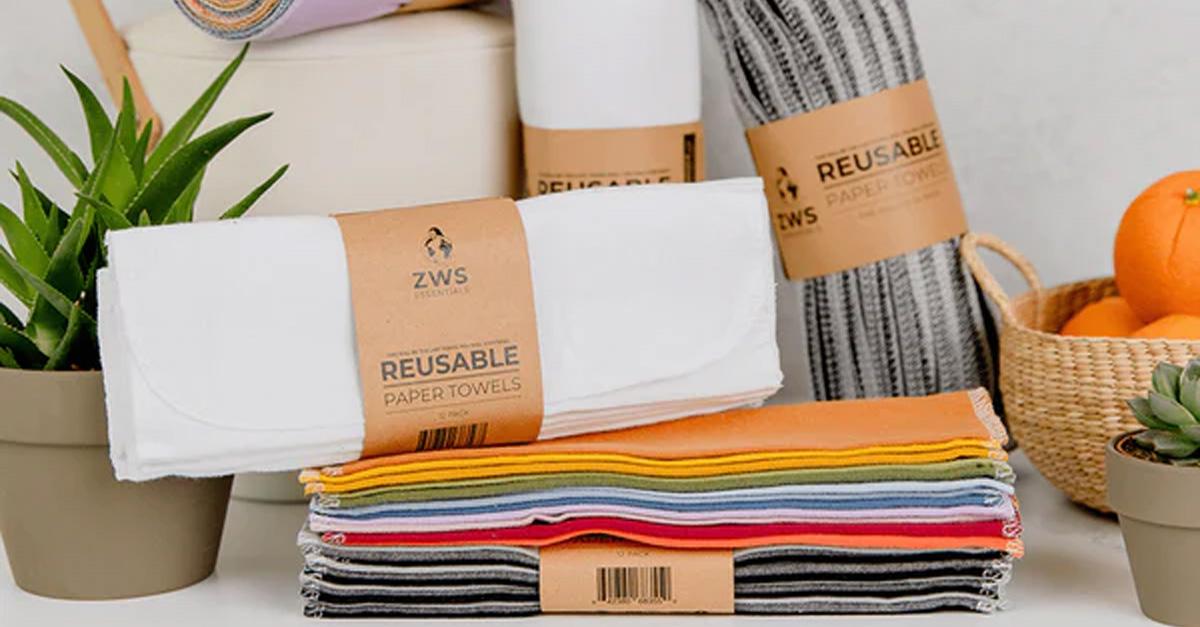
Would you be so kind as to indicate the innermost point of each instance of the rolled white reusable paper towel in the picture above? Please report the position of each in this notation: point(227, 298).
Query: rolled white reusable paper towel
point(230, 347)
point(607, 64)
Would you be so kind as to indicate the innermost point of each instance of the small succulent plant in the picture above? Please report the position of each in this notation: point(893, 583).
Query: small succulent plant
point(1171, 414)
point(49, 264)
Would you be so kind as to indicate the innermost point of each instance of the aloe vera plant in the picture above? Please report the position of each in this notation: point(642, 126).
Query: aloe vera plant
point(49, 264)
point(1171, 414)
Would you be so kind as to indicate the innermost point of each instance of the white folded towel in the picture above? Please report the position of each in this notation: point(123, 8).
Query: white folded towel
point(604, 64)
point(229, 346)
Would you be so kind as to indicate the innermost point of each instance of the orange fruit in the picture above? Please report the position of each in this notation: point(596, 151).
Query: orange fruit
point(1157, 251)
point(1108, 317)
point(1172, 327)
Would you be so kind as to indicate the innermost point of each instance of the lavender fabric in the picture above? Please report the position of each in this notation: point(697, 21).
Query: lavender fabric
point(277, 19)
point(716, 517)
point(983, 492)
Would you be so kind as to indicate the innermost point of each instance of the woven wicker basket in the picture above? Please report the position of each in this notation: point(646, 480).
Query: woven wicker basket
point(1064, 397)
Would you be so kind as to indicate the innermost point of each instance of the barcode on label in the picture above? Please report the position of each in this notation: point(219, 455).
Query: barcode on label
point(634, 584)
point(458, 436)
point(689, 158)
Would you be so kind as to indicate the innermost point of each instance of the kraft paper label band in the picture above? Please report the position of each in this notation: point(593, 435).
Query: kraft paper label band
point(858, 182)
point(563, 160)
point(599, 574)
point(445, 326)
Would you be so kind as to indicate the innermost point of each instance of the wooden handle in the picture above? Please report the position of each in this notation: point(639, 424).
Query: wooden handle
point(969, 249)
point(112, 56)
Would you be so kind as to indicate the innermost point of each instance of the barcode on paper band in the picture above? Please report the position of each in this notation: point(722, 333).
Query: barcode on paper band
point(600, 574)
point(458, 436)
point(634, 584)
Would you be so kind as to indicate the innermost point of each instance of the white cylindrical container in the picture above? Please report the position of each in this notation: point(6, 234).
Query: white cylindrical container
point(404, 110)
point(608, 64)
point(609, 92)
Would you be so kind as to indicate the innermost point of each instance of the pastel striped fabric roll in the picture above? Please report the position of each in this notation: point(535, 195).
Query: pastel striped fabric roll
point(246, 20)
point(909, 325)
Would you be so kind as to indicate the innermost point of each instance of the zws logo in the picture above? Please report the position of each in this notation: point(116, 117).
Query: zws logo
point(445, 277)
point(439, 250)
point(792, 217)
point(786, 186)
point(438, 247)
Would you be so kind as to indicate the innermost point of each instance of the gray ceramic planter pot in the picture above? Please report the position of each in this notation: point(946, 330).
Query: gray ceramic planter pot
point(269, 487)
point(71, 530)
point(1160, 520)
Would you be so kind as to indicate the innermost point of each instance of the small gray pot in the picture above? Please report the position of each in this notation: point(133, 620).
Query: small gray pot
point(1160, 520)
point(71, 530)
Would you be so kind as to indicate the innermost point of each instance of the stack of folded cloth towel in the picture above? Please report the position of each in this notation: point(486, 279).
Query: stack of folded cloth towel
point(868, 506)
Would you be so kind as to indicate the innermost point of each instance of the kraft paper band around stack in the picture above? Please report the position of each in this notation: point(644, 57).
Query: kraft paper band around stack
point(245, 360)
point(912, 324)
point(609, 92)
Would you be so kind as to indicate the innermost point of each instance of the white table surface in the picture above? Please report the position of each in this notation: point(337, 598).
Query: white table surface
point(1074, 573)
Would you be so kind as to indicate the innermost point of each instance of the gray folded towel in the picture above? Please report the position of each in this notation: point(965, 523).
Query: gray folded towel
point(461, 581)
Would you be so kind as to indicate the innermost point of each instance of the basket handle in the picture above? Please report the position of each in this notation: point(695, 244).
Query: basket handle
point(972, 242)
point(112, 56)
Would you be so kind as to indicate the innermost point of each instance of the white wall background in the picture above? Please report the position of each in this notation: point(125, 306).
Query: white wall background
point(1057, 112)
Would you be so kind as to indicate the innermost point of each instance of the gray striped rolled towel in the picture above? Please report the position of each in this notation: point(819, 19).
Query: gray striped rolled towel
point(909, 325)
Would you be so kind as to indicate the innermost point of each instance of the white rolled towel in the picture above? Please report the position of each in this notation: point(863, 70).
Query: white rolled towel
point(230, 346)
point(607, 64)
point(608, 92)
